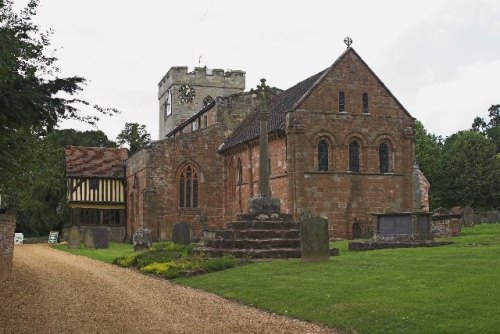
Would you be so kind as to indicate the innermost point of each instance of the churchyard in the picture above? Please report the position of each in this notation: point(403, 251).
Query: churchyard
point(449, 289)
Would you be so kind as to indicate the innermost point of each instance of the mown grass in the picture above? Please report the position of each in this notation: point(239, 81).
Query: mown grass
point(107, 255)
point(449, 289)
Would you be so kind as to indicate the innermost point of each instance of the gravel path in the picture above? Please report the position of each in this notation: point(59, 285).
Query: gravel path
point(50, 291)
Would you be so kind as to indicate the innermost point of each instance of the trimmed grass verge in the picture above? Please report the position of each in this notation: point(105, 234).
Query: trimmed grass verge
point(449, 289)
point(107, 255)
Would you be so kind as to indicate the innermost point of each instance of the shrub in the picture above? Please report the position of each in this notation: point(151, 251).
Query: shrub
point(126, 261)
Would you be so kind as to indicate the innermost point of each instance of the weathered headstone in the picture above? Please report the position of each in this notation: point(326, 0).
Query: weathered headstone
point(493, 217)
point(165, 231)
point(314, 239)
point(468, 216)
point(100, 237)
point(181, 233)
point(141, 239)
point(74, 237)
point(88, 238)
point(477, 219)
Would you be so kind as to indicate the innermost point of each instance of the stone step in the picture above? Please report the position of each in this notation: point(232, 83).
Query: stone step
point(257, 234)
point(273, 253)
point(263, 225)
point(253, 244)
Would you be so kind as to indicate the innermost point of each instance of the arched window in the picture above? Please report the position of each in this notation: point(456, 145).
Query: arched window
point(365, 103)
point(341, 102)
point(188, 188)
point(239, 178)
point(354, 156)
point(383, 156)
point(323, 155)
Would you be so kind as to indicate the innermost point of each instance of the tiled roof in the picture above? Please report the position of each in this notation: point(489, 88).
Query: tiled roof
point(95, 161)
point(278, 108)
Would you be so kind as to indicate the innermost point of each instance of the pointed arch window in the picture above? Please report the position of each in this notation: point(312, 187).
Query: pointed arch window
point(383, 155)
point(323, 155)
point(365, 103)
point(188, 188)
point(354, 156)
point(341, 102)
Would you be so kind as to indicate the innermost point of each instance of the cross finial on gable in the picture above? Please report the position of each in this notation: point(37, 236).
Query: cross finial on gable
point(348, 41)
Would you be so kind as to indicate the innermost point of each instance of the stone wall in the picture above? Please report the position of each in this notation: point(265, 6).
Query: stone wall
point(7, 230)
point(206, 82)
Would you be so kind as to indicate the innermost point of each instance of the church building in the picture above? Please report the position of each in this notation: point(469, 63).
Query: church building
point(341, 146)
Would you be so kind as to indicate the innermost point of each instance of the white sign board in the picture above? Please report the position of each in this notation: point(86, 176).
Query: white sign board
point(53, 237)
point(18, 238)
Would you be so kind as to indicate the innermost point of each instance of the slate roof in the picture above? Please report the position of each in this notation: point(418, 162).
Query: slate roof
point(95, 161)
point(285, 102)
point(279, 106)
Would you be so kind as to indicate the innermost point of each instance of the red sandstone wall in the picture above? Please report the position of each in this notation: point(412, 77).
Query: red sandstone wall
point(237, 195)
point(7, 229)
point(338, 194)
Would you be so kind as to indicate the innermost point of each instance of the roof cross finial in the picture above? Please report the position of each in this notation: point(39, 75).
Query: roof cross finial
point(348, 41)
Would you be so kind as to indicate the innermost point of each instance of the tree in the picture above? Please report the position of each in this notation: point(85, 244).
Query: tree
point(490, 129)
point(135, 136)
point(470, 171)
point(31, 94)
point(428, 150)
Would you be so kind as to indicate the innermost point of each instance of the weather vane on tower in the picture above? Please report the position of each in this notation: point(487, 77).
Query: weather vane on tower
point(348, 41)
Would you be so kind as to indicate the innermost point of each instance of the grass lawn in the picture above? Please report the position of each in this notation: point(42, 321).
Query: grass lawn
point(107, 255)
point(449, 289)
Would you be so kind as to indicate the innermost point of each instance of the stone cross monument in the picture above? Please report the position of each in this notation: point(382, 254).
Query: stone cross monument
point(263, 202)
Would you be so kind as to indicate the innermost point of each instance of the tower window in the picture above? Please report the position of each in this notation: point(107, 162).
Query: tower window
point(168, 104)
point(365, 103)
point(383, 154)
point(239, 178)
point(323, 155)
point(341, 102)
point(354, 156)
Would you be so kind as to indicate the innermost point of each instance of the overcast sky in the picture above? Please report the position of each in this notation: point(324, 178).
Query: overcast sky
point(440, 58)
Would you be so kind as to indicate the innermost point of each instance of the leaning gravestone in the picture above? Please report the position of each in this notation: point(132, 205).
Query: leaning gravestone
point(141, 239)
point(468, 216)
point(100, 237)
point(88, 238)
point(181, 233)
point(314, 241)
point(74, 237)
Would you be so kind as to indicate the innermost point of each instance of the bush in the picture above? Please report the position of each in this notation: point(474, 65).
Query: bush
point(126, 261)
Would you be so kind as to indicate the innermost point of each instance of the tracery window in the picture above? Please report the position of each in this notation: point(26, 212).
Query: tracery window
point(354, 156)
point(341, 102)
point(383, 155)
point(365, 103)
point(323, 155)
point(188, 188)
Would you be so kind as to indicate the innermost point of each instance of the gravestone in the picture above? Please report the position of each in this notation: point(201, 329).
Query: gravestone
point(493, 217)
point(165, 231)
point(477, 219)
point(141, 239)
point(468, 216)
point(88, 238)
point(314, 239)
point(390, 225)
point(100, 237)
point(74, 237)
point(181, 233)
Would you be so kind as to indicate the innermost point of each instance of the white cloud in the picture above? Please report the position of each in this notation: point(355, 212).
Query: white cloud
point(447, 107)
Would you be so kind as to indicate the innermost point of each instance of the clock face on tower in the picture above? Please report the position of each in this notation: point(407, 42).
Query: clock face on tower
point(186, 93)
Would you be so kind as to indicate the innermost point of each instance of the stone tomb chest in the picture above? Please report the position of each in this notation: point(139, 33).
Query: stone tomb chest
point(402, 226)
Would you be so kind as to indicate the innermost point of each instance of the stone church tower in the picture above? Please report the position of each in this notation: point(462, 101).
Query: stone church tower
point(181, 93)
